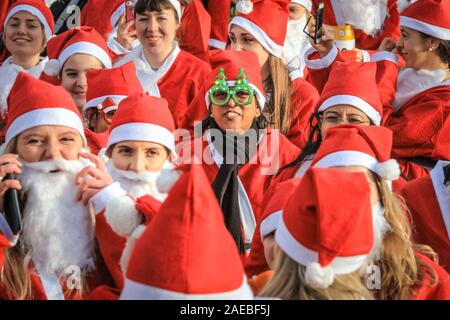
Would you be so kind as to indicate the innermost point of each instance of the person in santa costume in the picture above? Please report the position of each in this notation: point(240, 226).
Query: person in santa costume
point(141, 143)
point(237, 150)
point(54, 256)
point(297, 42)
point(318, 252)
point(340, 102)
point(27, 26)
point(407, 270)
point(71, 55)
point(163, 69)
point(200, 244)
point(372, 20)
point(289, 102)
point(421, 91)
point(106, 89)
point(428, 200)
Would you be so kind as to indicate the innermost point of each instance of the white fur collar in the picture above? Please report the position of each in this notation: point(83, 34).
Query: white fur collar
point(442, 192)
point(148, 77)
point(366, 15)
point(412, 82)
point(33, 71)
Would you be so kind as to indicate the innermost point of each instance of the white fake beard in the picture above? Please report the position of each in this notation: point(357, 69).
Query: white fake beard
point(296, 43)
point(411, 82)
point(138, 184)
point(365, 15)
point(57, 230)
point(380, 228)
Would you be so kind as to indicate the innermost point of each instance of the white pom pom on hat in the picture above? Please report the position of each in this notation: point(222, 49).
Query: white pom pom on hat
point(244, 6)
point(388, 170)
point(319, 277)
point(52, 68)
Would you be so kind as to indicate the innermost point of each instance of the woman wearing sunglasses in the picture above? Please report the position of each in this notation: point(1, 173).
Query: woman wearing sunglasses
point(236, 149)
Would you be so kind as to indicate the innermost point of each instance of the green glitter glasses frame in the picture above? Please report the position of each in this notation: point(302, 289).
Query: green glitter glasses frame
point(242, 92)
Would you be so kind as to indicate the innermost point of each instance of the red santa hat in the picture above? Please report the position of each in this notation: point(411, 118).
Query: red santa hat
point(359, 89)
point(306, 3)
point(272, 211)
point(83, 40)
point(326, 230)
point(200, 260)
point(113, 84)
point(431, 17)
point(141, 117)
point(38, 9)
point(232, 62)
point(257, 17)
point(34, 102)
point(356, 145)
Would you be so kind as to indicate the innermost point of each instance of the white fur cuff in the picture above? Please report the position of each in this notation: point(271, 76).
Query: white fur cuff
point(122, 216)
point(106, 195)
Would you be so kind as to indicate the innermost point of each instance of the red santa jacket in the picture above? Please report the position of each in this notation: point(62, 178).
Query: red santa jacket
point(111, 244)
point(390, 27)
point(273, 152)
point(429, 204)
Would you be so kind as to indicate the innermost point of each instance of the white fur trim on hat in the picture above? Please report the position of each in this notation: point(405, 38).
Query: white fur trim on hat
point(259, 96)
point(388, 170)
point(122, 216)
point(52, 68)
point(270, 224)
point(244, 6)
point(217, 44)
point(355, 101)
point(167, 179)
point(34, 11)
point(317, 276)
point(259, 34)
point(82, 47)
point(45, 117)
point(94, 103)
point(8, 76)
point(177, 5)
point(138, 291)
point(305, 256)
point(306, 3)
point(429, 29)
point(137, 131)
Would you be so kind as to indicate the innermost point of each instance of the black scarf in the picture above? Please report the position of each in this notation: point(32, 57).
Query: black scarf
point(236, 150)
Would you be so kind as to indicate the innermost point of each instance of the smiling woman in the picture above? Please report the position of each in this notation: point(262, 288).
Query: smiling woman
point(27, 28)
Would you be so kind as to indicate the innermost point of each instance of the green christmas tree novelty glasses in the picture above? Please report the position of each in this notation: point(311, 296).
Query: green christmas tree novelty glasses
point(241, 92)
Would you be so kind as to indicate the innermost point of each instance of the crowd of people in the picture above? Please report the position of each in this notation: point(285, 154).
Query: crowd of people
point(225, 149)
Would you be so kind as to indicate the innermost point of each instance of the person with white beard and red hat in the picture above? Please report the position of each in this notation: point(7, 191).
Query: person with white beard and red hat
point(289, 102)
point(141, 143)
point(54, 256)
point(297, 42)
point(237, 150)
point(421, 90)
point(323, 239)
point(106, 89)
point(162, 67)
point(372, 20)
point(200, 261)
point(408, 270)
point(27, 27)
point(72, 54)
point(428, 202)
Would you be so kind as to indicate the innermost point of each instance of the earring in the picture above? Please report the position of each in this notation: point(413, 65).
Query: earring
point(430, 49)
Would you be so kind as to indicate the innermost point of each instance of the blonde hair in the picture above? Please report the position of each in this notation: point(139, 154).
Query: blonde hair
point(278, 109)
point(401, 269)
point(15, 274)
point(288, 283)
